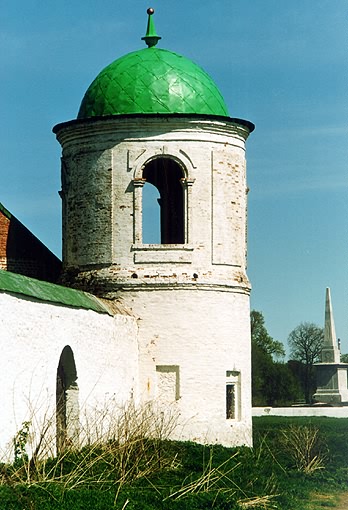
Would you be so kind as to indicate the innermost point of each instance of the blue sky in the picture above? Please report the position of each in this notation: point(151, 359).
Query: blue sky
point(281, 65)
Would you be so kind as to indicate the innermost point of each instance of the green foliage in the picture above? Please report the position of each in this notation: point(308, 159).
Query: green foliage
point(333, 433)
point(20, 443)
point(261, 338)
point(305, 343)
point(281, 387)
point(191, 476)
point(306, 377)
point(344, 358)
point(261, 366)
point(296, 487)
point(273, 384)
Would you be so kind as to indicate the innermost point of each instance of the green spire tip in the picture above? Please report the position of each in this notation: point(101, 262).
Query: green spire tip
point(151, 38)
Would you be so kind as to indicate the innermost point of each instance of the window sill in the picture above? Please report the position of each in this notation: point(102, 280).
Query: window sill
point(162, 253)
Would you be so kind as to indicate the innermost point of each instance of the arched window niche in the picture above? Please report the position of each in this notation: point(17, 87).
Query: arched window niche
point(67, 401)
point(168, 177)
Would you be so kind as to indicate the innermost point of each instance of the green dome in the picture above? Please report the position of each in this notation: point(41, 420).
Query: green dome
point(152, 80)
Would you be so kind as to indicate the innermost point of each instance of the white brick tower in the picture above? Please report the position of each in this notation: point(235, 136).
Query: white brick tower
point(155, 118)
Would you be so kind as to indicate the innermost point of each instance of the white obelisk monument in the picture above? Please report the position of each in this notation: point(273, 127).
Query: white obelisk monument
point(331, 373)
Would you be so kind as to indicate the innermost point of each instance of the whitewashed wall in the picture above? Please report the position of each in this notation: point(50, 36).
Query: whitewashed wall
point(204, 335)
point(333, 412)
point(191, 299)
point(32, 337)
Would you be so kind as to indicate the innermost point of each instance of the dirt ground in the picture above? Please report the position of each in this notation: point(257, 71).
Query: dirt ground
point(343, 502)
point(339, 502)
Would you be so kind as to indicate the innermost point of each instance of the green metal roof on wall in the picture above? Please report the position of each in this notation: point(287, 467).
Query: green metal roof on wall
point(152, 80)
point(49, 292)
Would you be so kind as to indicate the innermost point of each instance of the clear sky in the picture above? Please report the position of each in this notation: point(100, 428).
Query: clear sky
point(280, 64)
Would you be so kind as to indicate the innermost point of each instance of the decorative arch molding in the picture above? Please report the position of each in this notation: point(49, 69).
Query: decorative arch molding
point(138, 163)
point(67, 401)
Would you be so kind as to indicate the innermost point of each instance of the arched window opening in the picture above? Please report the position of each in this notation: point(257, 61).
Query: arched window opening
point(67, 401)
point(151, 215)
point(165, 174)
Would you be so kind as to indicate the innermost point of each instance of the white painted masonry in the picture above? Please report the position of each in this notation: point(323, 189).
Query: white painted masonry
point(191, 299)
point(178, 337)
point(102, 178)
point(178, 331)
point(331, 373)
point(203, 334)
point(33, 335)
point(331, 412)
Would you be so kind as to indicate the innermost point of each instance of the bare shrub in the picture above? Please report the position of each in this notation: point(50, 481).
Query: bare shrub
point(303, 445)
point(223, 480)
point(115, 447)
point(262, 502)
point(216, 479)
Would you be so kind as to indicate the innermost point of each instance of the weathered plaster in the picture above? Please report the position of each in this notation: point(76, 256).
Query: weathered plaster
point(33, 335)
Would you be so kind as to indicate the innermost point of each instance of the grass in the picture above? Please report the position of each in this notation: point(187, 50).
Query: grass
point(320, 486)
point(295, 463)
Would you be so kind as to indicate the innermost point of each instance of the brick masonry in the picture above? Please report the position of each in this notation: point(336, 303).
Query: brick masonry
point(21, 252)
point(191, 300)
point(33, 336)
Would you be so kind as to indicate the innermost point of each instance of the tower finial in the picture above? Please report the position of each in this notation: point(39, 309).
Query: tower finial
point(151, 38)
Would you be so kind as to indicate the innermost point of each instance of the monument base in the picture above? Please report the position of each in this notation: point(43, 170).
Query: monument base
point(332, 384)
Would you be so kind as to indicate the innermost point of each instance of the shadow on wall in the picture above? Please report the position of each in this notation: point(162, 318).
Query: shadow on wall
point(67, 401)
point(27, 255)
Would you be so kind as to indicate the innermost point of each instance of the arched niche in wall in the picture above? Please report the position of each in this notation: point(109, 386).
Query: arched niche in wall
point(67, 401)
point(166, 175)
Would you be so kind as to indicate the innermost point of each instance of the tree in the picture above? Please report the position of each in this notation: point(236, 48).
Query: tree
point(261, 338)
point(272, 383)
point(344, 358)
point(282, 388)
point(305, 343)
point(261, 363)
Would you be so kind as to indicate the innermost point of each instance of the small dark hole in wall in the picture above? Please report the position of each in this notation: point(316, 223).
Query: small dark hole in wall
point(195, 276)
point(134, 275)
